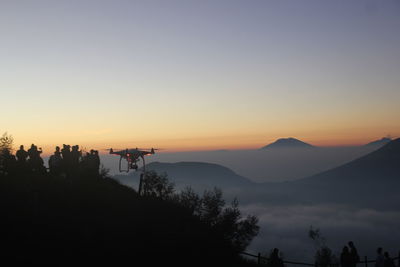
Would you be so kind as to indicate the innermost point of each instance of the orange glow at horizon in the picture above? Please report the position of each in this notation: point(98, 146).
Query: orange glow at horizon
point(205, 143)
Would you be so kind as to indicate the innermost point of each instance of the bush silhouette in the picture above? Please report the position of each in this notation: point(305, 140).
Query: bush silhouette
point(210, 209)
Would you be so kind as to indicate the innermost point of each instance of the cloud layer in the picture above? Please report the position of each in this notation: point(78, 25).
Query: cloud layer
point(286, 227)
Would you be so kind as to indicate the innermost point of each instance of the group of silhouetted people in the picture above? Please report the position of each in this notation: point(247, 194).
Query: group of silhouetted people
point(350, 257)
point(66, 161)
point(23, 161)
point(69, 160)
point(383, 259)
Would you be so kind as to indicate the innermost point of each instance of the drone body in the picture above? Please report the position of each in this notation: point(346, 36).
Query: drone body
point(132, 157)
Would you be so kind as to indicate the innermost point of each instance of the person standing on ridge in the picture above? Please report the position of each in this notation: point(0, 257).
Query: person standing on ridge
point(55, 162)
point(22, 155)
point(355, 258)
point(275, 260)
point(75, 157)
point(379, 258)
point(67, 160)
point(345, 257)
point(35, 161)
point(387, 260)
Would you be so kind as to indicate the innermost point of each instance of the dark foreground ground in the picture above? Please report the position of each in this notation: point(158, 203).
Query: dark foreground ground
point(62, 221)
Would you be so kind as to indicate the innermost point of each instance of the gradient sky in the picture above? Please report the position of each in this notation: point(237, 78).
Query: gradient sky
point(185, 75)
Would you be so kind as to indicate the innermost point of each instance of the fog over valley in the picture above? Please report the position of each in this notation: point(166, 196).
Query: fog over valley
point(264, 165)
point(357, 200)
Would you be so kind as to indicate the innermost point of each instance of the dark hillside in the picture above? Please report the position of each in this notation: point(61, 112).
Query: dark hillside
point(199, 175)
point(382, 165)
point(372, 181)
point(63, 222)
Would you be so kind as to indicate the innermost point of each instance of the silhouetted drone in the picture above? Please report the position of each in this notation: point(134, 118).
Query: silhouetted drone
point(132, 157)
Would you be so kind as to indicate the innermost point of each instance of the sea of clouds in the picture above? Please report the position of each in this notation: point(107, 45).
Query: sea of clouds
point(286, 227)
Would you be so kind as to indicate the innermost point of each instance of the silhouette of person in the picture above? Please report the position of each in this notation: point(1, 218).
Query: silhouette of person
point(355, 258)
point(67, 159)
point(32, 151)
point(274, 259)
point(92, 163)
point(22, 155)
point(387, 260)
point(35, 161)
point(55, 162)
point(75, 157)
point(379, 258)
point(345, 258)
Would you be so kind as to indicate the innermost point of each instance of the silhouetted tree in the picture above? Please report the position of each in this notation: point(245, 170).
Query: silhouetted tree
point(6, 146)
point(225, 221)
point(6, 142)
point(323, 256)
point(104, 172)
point(157, 185)
point(212, 205)
point(189, 199)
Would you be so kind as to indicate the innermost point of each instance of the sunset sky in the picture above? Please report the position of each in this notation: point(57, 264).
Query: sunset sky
point(196, 75)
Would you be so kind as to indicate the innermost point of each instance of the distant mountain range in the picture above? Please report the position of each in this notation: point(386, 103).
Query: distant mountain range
point(381, 142)
point(296, 143)
point(287, 143)
point(371, 181)
point(382, 165)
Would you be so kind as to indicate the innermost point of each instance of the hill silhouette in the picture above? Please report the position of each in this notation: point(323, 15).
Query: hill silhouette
point(380, 166)
point(370, 181)
point(381, 142)
point(199, 175)
point(288, 143)
point(58, 221)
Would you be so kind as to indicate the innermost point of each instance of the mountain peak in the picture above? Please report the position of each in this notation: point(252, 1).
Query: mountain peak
point(288, 143)
point(380, 142)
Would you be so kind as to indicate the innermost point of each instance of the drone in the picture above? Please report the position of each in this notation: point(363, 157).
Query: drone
point(132, 156)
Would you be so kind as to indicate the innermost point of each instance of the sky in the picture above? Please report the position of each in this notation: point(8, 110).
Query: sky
point(199, 75)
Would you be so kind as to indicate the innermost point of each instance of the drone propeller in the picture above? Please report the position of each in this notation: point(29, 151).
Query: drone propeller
point(112, 150)
point(152, 150)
